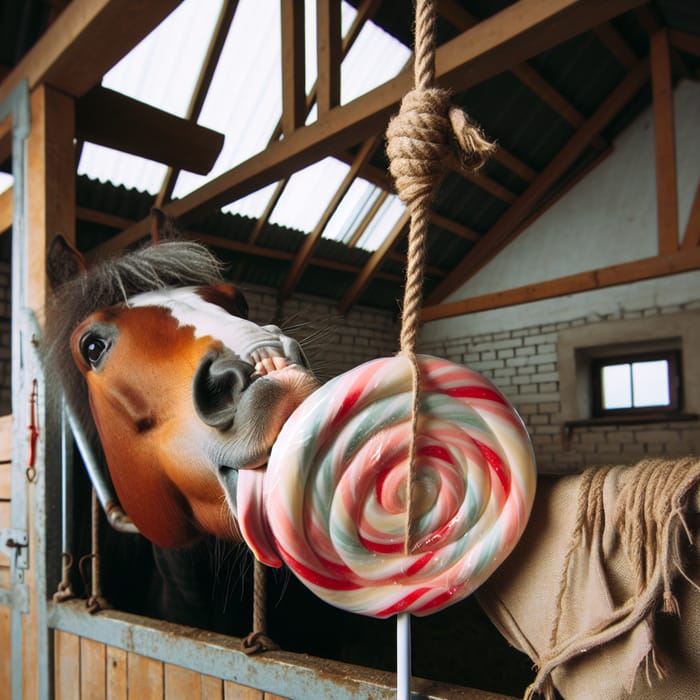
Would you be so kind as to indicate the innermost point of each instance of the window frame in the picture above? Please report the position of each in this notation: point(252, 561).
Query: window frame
point(675, 382)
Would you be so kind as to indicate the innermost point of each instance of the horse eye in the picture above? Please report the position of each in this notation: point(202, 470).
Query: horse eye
point(93, 348)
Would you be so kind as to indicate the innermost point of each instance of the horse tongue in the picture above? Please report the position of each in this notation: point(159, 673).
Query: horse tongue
point(251, 516)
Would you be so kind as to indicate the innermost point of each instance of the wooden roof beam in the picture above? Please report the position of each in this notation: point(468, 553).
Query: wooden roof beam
point(691, 236)
point(85, 41)
point(624, 273)
point(665, 143)
point(524, 72)
point(329, 53)
point(211, 60)
point(293, 66)
point(689, 43)
point(506, 228)
point(114, 120)
point(616, 45)
point(509, 37)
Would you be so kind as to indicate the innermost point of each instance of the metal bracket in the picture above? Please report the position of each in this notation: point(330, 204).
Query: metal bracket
point(15, 544)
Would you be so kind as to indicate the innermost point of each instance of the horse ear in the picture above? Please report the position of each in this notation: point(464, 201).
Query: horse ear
point(227, 296)
point(163, 227)
point(63, 262)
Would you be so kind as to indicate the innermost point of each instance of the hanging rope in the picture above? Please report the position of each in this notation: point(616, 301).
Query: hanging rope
point(421, 139)
point(96, 602)
point(258, 640)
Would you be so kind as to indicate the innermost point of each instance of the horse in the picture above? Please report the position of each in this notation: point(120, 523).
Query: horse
point(184, 392)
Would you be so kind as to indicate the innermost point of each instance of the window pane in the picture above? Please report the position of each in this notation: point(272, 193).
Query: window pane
point(617, 386)
point(650, 381)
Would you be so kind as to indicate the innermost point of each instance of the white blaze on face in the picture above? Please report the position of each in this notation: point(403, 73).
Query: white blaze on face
point(276, 358)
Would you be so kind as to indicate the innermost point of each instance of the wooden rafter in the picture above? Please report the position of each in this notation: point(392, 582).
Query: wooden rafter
point(367, 219)
point(104, 30)
point(691, 236)
point(526, 74)
point(329, 52)
point(114, 120)
point(624, 273)
point(690, 43)
point(665, 143)
point(507, 227)
point(508, 38)
point(293, 66)
point(211, 60)
point(617, 46)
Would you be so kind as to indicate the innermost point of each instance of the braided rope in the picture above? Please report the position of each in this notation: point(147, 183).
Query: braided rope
point(427, 131)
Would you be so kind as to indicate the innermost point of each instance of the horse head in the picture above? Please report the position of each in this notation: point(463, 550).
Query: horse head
point(186, 394)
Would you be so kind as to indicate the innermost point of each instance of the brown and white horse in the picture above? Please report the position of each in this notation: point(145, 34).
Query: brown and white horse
point(185, 393)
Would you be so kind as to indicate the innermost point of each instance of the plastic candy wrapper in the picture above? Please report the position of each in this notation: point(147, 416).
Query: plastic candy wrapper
point(334, 495)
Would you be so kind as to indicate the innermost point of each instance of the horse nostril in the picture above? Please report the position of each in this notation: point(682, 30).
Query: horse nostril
point(217, 384)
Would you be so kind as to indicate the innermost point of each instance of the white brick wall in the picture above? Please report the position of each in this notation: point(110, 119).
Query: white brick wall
point(523, 363)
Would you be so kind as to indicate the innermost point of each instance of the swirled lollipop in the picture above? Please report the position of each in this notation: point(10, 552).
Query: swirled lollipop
point(335, 488)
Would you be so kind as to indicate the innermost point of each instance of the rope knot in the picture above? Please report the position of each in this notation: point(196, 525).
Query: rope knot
point(428, 130)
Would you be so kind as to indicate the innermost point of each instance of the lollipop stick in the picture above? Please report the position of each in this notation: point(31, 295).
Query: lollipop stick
point(403, 656)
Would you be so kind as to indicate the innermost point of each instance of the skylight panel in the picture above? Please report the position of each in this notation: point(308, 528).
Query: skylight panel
point(308, 193)
point(382, 224)
point(108, 165)
point(351, 211)
point(253, 205)
point(244, 100)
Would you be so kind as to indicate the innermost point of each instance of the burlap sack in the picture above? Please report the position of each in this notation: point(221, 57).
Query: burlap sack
point(594, 589)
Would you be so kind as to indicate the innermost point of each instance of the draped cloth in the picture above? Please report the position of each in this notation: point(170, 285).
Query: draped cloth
point(602, 590)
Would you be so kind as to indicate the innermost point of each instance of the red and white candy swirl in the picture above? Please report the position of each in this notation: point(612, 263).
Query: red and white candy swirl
point(335, 488)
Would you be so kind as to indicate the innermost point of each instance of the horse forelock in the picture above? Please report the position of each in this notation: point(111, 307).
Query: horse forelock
point(111, 282)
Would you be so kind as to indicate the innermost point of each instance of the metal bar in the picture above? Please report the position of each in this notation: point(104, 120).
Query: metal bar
point(282, 673)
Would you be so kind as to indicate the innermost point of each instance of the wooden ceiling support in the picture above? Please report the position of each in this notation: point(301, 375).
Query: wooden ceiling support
point(691, 236)
point(665, 143)
point(507, 227)
point(367, 219)
point(616, 45)
point(293, 66)
point(690, 43)
point(112, 119)
point(206, 74)
point(623, 273)
point(85, 41)
point(508, 38)
point(329, 54)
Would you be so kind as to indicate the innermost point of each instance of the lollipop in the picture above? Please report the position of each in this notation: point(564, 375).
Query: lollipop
point(335, 489)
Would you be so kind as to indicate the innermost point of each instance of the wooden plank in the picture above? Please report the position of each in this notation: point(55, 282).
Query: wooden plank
point(144, 678)
point(212, 688)
point(6, 210)
point(116, 674)
point(293, 66)
point(182, 683)
point(5, 651)
point(234, 691)
point(513, 35)
point(110, 119)
point(665, 143)
point(624, 273)
point(66, 665)
point(506, 228)
point(690, 43)
point(618, 47)
point(691, 236)
point(93, 670)
point(103, 30)
point(328, 54)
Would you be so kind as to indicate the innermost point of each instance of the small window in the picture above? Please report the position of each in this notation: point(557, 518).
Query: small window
point(636, 384)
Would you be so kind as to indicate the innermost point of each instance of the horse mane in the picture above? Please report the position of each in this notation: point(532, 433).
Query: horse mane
point(110, 282)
